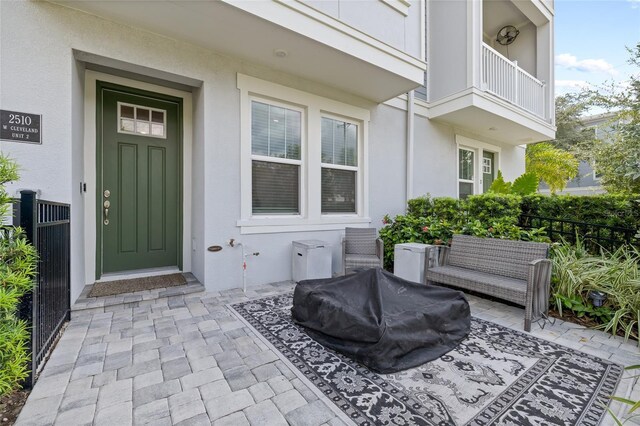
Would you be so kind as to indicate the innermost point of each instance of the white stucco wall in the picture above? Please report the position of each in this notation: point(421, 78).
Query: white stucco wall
point(435, 159)
point(387, 161)
point(512, 162)
point(39, 73)
point(447, 48)
point(380, 20)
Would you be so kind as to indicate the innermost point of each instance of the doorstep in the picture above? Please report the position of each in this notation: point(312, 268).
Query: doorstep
point(171, 295)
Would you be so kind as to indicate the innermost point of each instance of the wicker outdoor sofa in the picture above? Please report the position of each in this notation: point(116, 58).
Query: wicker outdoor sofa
point(516, 271)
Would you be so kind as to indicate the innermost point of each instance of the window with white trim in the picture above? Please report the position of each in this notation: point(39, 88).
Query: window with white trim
point(466, 177)
point(339, 166)
point(303, 160)
point(276, 138)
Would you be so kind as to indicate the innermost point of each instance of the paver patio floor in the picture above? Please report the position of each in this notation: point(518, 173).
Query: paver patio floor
point(187, 360)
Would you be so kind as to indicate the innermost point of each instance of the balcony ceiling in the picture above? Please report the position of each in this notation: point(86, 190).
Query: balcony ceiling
point(498, 13)
point(491, 118)
point(319, 48)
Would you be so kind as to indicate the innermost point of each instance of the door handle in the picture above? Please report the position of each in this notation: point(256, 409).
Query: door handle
point(106, 206)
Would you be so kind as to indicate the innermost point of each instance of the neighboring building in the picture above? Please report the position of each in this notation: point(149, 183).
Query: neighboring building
point(263, 121)
point(587, 181)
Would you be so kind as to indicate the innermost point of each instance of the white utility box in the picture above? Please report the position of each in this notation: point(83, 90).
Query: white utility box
point(408, 261)
point(310, 259)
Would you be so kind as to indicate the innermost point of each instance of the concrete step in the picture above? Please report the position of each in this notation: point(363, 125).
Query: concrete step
point(169, 295)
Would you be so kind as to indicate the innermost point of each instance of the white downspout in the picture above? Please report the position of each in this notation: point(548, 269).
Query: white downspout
point(410, 137)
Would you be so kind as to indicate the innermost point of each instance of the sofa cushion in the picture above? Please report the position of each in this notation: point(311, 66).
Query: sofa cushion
point(511, 289)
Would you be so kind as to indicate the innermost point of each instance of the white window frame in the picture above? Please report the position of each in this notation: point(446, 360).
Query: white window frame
point(314, 107)
point(341, 167)
point(300, 162)
point(478, 147)
point(473, 179)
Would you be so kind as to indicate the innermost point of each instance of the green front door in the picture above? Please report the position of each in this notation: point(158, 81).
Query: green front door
point(488, 163)
point(139, 151)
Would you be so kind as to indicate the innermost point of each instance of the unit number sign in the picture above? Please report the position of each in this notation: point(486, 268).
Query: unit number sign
point(20, 127)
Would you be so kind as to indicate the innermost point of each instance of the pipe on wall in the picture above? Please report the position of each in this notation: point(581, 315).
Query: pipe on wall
point(410, 143)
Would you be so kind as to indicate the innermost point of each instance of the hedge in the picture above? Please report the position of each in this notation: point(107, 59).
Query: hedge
point(606, 209)
point(486, 208)
point(435, 220)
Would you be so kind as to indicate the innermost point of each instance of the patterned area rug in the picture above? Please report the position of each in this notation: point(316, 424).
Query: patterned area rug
point(496, 376)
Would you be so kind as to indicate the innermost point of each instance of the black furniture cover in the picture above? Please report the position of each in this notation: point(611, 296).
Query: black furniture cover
point(385, 322)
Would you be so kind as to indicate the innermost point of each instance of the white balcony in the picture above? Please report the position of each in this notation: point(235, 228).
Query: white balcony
point(505, 79)
point(499, 92)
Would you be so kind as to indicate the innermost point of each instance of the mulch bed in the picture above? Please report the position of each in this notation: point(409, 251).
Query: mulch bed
point(11, 405)
point(569, 316)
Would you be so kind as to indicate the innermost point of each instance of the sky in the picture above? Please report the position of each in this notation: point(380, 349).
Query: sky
point(590, 40)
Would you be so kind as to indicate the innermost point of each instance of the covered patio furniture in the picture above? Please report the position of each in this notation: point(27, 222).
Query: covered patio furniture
point(361, 249)
point(382, 321)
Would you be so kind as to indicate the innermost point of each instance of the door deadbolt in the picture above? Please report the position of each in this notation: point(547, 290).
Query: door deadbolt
point(107, 204)
point(107, 193)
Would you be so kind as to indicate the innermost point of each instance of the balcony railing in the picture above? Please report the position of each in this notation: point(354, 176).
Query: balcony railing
point(506, 80)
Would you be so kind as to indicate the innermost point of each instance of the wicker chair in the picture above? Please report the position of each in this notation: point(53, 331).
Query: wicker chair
point(361, 249)
point(516, 271)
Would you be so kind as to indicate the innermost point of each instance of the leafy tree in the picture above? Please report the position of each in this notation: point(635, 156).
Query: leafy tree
point(571, 135)
point(17, 271)
point(525, 184)
point(618, 160)
point(552, 165)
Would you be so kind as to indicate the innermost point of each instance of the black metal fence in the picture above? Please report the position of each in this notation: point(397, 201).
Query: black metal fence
point(47, 226)
point(592, 235)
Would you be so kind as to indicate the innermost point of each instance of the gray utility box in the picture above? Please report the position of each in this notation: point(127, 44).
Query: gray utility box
point(310, 259)
point(408, 261)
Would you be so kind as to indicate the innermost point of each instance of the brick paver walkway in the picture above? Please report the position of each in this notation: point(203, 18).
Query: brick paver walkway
point(187, 360)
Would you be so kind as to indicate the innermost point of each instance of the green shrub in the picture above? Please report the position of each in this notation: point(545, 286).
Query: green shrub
point(606, 209)
point(490, 208)
point(617, 274)
point(420, 206)
point(449, 209)
point(445, 208)
point(17, 271)
point(433, 230)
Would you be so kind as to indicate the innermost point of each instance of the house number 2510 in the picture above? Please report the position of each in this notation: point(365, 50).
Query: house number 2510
point(23, 120)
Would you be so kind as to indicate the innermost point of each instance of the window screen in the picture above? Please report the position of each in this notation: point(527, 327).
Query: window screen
point(339, 140)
